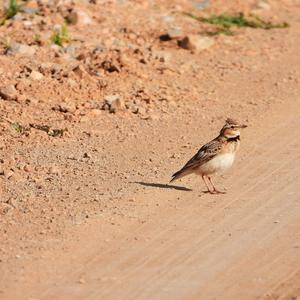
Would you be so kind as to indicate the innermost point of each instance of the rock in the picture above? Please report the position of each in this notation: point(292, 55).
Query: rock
point(202, 4)
point(9, 92)
point(16, 48)
point(84, 18)
point(35, 75)
point(162, 56)
point(134, 108)
point(54, 170)
point(71, 50)
point(264, 5)
point(9, 174)
point(27, 24)
point(65, 108)
point(168, 19)
point(30, 10)
point(142, 111)
point(154, 117)
point(113, 103)
point(71, 82)
point(1, 171)
point(80, 18)
point(27, 168)
point(175, 33)
point(53, 68)
point(196, 42)
point(80, 71)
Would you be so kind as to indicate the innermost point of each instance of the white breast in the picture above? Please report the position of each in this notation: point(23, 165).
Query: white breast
point(218, 164)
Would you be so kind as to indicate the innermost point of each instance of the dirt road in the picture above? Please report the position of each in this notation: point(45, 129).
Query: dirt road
point(242, 245)
point(85, 212)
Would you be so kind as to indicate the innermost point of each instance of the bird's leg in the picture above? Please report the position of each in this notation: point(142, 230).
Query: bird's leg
point(215, 190)
point(208, 189)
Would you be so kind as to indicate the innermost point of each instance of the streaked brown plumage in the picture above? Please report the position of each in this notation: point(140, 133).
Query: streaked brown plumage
point(215, 156)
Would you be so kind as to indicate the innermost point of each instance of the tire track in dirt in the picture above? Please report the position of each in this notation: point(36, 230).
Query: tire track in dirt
point(159, 265)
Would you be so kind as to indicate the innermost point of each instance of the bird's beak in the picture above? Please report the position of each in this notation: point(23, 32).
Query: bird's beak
point(243, 126)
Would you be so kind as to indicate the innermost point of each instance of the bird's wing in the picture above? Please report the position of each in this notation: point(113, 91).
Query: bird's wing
point(206, 153)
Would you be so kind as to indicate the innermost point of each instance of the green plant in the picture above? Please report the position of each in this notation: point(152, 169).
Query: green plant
point(219, 30)
point(12, 9)
point(225, 22)
point(49, 130)
point(37, 39)
point(17, 127)
point(6, 43)
point(60, 36)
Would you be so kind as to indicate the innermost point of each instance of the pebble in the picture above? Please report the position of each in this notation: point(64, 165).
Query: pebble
point(55, 170)
point(80, 71)
point(175, 33)
point(65, 107)
point(27, 168)
point(264, 5)
point(168, 19)
point(113, 103)
point(35, 75)
point(162, 56)
point(9, 92)
point(17, 48)
point(196, 43)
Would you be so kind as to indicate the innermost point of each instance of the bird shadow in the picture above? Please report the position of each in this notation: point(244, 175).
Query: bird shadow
point(163, 186)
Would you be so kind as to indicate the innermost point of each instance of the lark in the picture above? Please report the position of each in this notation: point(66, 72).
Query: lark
point(216, 156)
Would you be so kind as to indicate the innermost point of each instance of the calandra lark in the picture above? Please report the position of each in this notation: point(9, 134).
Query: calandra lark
point(215, 156)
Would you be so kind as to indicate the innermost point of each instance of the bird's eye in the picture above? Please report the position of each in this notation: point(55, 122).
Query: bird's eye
point(232, 127)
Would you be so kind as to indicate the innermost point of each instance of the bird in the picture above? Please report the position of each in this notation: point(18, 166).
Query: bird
point(215, 156)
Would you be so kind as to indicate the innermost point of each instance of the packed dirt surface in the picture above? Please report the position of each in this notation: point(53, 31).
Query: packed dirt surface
point(96, 116)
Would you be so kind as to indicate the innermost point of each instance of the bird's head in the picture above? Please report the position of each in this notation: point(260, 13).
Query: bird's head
point(231, 129)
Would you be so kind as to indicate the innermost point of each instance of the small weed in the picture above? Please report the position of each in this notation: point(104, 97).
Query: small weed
point(37, 39)
point(19, 128)
point(225, 22)
point(220, 30)
point(12, 9)
point(6, 44)
point(61, 36)
point(48, 130)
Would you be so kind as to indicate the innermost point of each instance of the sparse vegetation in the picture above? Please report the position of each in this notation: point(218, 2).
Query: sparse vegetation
point(49, 130)
point(6, 44)
point(18, 127)
point(37, 39)
point(60, 36)
point(10, 11)
point(225, 22)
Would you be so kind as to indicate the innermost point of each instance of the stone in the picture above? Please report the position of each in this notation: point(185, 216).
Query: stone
point(162, 56)
point(9, 92)
point(54, 170)
point(201, 5)
point(71, 50)
point(113, 103)
point(264, 5)
point(196, 43)
point(175, 33)
point(80, 71)
point(17, 48)
point(82, 18)
point(35, 75)
point(65, 107)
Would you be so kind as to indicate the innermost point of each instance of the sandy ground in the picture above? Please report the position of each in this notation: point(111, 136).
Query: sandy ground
point(88, 215)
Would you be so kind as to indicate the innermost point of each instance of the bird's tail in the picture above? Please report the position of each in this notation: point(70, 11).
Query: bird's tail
point(179, 174)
